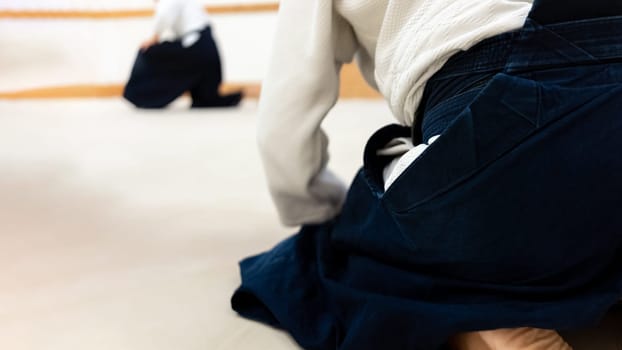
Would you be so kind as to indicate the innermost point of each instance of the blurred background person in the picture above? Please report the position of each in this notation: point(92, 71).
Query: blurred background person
point(180, 56)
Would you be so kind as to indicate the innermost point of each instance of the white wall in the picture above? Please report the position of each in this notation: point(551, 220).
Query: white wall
point(52, 52)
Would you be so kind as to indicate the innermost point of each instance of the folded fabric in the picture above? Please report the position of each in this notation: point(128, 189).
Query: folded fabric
point(397, 166)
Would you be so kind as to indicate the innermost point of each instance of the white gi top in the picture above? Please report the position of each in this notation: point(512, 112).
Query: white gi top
point(175, 19)
point(398, 44)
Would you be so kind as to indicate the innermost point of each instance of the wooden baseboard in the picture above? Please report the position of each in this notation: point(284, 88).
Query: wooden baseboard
point(66, 91)
point(352, 86)
point(119, 14)
point(104, 90)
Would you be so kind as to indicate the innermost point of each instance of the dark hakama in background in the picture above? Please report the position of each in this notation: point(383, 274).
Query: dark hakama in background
point(166, 70)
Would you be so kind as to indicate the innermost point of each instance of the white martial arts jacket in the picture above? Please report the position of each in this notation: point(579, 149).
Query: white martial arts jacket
point(398, 44)
point(180, 19)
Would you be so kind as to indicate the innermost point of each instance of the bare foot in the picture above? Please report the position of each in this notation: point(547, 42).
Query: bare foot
point(510, 339)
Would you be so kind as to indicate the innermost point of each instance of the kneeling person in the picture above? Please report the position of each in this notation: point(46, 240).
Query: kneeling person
point(164, 70)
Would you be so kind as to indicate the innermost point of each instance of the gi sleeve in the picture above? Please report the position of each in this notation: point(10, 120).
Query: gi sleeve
point(166, 14)
point(302, 85)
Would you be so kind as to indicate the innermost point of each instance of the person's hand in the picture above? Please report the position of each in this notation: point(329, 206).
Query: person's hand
point(149, 43)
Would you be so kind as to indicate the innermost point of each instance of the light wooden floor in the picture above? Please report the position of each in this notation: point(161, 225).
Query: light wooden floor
point(121, 229)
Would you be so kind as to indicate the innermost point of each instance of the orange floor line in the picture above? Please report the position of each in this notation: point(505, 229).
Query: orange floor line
point(118, 14)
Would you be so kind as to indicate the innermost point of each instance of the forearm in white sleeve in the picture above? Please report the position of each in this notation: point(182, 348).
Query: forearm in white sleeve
point(301, 86)
point(165, 15)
